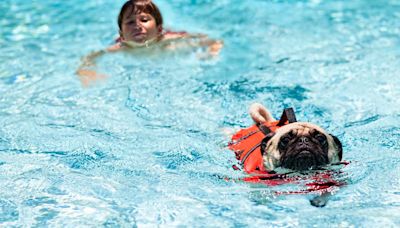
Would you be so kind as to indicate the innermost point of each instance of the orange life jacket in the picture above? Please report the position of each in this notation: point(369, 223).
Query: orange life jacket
point(247, 142)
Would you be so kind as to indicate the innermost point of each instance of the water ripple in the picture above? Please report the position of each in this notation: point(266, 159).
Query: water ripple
point(8, 211)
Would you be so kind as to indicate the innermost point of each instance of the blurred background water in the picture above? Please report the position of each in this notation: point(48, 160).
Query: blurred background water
point(145, 147)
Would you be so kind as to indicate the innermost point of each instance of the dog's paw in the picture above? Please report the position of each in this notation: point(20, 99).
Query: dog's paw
point(321, 200)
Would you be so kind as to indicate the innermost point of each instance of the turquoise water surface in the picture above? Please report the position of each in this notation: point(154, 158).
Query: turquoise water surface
point(146, 147)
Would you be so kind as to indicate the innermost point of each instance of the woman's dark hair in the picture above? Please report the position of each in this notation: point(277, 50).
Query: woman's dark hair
point(139, 6)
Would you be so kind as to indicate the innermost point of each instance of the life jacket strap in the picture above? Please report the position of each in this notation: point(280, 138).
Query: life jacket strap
point(250, 152)
point(264, 129)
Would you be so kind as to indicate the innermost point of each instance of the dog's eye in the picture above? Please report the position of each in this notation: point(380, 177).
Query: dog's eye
point(284, 142)
point(321, 138)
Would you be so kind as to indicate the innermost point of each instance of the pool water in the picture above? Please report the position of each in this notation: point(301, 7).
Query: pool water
point(146, 147)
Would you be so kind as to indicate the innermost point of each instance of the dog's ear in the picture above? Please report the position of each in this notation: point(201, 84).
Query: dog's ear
point(265, 141)
point(339, 146)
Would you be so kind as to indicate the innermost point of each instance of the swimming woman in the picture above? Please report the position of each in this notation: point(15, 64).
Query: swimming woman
point(140, 26)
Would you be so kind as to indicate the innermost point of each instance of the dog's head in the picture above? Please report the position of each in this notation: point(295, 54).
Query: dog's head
point(300, 146)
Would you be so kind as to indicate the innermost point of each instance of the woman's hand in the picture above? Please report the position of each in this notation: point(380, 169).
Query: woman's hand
point(88, 77)
point(215, 47)
point(86, 74)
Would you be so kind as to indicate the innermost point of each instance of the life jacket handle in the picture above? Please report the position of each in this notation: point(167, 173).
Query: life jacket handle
point(288, 116)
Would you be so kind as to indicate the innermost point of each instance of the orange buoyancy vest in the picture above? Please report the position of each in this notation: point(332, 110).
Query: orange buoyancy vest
point(246, 143)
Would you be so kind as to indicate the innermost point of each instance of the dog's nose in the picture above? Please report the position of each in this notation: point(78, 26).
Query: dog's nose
point(304, 139)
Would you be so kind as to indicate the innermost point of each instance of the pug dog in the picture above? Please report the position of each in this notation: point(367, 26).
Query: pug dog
point(297, 146)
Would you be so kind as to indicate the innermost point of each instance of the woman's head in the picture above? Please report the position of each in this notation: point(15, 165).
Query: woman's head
point(139, 21)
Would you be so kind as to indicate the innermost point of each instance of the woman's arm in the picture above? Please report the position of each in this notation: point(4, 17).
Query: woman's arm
point(194, 40)
point(86, 72)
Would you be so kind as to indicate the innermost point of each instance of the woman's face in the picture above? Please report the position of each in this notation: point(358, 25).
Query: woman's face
point(139, 28)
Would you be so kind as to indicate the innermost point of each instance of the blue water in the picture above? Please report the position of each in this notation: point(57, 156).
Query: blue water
point(146, 147)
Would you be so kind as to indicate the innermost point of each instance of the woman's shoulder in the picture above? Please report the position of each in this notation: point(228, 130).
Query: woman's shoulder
point(170, 35)
point(115, 47)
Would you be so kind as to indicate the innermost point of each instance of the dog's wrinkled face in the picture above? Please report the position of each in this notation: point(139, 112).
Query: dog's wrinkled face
point(300, 146)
